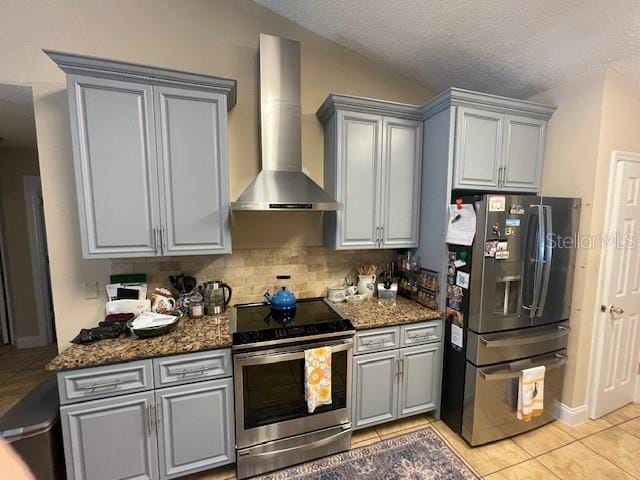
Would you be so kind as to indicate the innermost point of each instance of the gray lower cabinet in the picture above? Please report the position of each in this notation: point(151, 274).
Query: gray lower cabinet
point(375, 394)
point(373, 163)
point(150, 158)
point(420, 379)
point(398, 382)
point(165, 433)
point(194, 433)
point(110, 439)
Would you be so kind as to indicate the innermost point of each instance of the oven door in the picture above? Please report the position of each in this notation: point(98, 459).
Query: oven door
point(269, 393)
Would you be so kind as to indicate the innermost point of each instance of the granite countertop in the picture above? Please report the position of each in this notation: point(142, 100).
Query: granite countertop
point(191, 335)
point(370, 314)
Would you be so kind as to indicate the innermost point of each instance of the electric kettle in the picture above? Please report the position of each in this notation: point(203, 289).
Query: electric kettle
point(217, 296)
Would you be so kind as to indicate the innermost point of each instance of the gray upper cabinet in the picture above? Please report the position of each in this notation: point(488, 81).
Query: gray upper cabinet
point(358, 179)
point(110, 439)
point(402, 167)
point(373, 158)
point(194, 428)
point(478, 148)
point(420, 373)
point(150, 156)
point(193, 167)
point(495, 143)
point(114, 147)
point(523, 153)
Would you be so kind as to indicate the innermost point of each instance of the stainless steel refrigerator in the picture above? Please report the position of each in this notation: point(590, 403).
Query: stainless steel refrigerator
point(508, 308)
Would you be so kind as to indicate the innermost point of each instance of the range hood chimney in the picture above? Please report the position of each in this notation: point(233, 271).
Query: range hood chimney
point(281, 185)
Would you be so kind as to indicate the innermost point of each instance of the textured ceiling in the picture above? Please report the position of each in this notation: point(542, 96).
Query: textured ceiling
point(508, 47)
point(17, 123)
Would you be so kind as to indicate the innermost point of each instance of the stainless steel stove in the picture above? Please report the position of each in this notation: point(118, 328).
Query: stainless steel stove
point(273, 426)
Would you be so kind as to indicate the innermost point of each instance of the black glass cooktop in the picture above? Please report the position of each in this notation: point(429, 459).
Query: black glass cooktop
point(255, 323)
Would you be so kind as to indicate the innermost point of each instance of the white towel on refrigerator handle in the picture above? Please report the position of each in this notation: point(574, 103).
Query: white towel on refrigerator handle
point(531, 393)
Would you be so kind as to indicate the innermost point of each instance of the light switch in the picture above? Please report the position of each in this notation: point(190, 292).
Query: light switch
point(90, 290)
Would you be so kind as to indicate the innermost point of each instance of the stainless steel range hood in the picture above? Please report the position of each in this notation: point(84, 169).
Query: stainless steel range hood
point(281, 185)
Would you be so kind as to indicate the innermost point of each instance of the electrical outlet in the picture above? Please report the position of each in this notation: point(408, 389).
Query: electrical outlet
point(90, 290)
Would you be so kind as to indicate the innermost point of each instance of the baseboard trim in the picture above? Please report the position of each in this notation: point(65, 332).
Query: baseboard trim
point(571, 415)
point(30, 342)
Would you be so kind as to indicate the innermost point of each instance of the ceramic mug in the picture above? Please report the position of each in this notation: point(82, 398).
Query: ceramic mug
point(162, 304)
point(336, 294)
point(352, 290)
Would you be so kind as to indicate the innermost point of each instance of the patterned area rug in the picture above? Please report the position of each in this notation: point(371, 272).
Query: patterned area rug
point(420, 455)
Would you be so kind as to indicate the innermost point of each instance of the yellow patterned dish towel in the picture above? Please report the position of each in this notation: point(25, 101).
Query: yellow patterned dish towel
point(317, 377)
point(531, 393)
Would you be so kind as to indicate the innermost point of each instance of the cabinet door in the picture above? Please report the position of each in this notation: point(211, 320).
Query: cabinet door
point(402, 166)
point(524, 152)
point(112, 125)
point(194, 190)
point(478, 151)
point(195, 427)
point(375, 388)
point(358, 179)
point(419, 368)
point(110, 439)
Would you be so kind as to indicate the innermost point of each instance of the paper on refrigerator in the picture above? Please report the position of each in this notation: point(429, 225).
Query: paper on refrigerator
point(462, 225)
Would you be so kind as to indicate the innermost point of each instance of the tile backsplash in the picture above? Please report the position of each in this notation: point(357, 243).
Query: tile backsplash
point(251, 272)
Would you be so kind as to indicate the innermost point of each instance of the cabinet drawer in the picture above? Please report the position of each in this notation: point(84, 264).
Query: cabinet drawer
point(193, 367)
point(420, 333)
point(377, 340)
point(107, 381)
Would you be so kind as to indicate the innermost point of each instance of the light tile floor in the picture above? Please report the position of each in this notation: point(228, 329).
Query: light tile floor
point(20, 371)
point(607, 448)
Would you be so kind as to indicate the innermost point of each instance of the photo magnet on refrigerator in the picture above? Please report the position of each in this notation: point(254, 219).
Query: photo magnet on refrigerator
point(462, 280)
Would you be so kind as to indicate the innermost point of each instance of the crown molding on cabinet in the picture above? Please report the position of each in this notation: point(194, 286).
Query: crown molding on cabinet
point(72, 63)
point(366, 105)
point(486, 101)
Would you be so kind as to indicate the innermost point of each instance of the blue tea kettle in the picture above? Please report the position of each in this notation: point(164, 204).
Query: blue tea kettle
point(283, 299)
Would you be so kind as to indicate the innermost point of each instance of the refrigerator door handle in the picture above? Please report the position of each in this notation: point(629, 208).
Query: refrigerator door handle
point(539, 255)
point(546, 261)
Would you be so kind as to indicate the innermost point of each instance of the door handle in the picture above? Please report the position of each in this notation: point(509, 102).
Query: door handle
point(616, 310)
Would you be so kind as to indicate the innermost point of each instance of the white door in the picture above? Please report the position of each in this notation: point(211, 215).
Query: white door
point(617, 334)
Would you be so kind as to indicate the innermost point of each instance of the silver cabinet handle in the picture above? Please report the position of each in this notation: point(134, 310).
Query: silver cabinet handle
point(377, 237)
point(381, 235)
point(158, 415)
point(149, 421)
point(401, 367)
point(616, 310)
point(95, 386)
point(424, 336)
point(162, 246)
point(155, 240)
point(192, 371)
point(398, 368)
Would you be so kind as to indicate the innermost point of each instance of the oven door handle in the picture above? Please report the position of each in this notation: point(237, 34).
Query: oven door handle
point(344, 430)
point(285, 355)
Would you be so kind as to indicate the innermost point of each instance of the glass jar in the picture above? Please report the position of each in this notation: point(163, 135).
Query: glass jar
point(196, 306)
